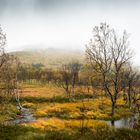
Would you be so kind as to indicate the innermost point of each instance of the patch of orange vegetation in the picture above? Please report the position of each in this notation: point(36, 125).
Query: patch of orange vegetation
point(42, 92)
point(65, 124)
point(74, 109)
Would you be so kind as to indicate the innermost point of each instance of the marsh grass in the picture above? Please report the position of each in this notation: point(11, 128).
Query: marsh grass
point(18, 132)
point(8, 111)
point(66, 119)
point(87, 109)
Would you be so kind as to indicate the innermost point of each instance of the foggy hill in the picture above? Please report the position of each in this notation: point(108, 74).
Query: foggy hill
point(50, 57)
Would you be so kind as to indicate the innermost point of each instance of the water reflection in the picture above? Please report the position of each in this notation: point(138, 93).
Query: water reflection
point(125, 122)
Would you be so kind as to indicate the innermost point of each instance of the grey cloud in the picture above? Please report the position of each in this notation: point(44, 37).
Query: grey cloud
point(44, 4)
point(19, 8)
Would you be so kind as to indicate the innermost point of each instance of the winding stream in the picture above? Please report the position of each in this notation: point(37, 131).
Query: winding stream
point(25, 117)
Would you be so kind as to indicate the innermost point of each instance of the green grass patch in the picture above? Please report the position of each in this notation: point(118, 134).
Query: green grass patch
point(18, 132)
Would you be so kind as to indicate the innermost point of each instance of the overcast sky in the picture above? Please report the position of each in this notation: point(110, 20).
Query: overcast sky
point(66, 23)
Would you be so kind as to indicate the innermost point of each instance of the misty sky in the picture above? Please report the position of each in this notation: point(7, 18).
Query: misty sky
point(66, 23)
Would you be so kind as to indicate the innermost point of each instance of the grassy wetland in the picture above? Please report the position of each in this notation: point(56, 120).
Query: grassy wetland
point(69, 94)
point(57, 116)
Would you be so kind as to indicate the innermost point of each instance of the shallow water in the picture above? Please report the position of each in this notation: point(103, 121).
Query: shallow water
point(125, 122)
point(26, 116)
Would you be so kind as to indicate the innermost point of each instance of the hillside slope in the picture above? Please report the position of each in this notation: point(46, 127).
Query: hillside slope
point(51, 57)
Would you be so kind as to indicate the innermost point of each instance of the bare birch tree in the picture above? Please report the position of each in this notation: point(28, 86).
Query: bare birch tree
point(64, 79)
point(8, 71)
point(74, 70)
point(108, 54)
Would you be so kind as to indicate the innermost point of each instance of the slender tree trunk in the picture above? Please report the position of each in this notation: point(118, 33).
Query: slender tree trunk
point(88, 88)
point(129, 101)
point(129, 97)
point(18, 99)
point(113, 109)
point(112, 123)
point(67, 91)
point(73, 89)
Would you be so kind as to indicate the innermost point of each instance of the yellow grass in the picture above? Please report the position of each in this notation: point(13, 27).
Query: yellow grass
point(98, 108)
point(60, 124)
point(74, 110)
